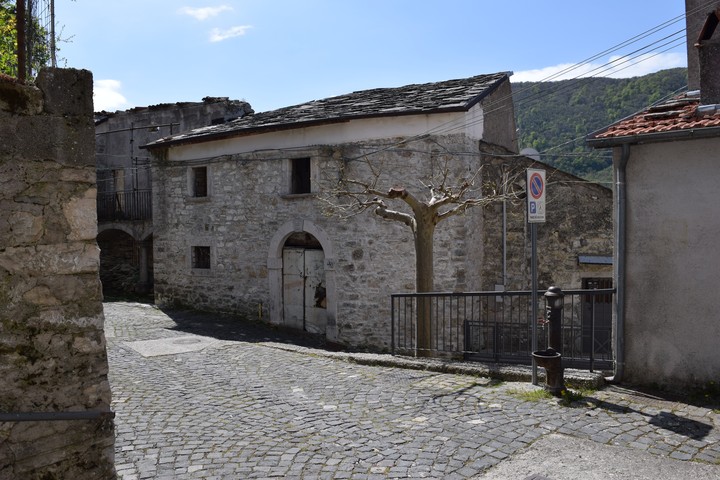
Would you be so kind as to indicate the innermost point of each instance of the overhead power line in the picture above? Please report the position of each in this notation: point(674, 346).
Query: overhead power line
point(635, 57)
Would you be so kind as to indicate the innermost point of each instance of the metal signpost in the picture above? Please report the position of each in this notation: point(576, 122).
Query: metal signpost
point(535, 189)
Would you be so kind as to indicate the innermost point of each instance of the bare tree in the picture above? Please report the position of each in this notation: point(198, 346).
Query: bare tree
point(450, 190)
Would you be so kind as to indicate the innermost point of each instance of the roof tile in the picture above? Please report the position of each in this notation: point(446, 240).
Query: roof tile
point(450, 95)
point(680, 113)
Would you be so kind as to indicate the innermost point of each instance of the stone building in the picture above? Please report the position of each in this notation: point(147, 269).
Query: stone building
point(239, 208)
point(124, 204)
point(55, 419)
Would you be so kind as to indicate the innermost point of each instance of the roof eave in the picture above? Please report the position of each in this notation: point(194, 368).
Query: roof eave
point(671, 136)
point(242, 132)
point(488, 91)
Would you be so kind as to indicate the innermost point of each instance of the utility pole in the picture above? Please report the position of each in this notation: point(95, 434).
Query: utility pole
point(21, 40)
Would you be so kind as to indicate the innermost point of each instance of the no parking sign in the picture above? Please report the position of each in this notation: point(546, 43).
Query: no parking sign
point(535, 195)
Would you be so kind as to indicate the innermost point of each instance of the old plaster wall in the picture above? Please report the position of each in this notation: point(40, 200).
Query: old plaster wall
point(249, 204)
point(672, 310)
point(52, 346)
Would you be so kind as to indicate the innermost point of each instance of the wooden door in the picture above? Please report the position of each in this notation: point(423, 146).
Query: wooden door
point(304, 289)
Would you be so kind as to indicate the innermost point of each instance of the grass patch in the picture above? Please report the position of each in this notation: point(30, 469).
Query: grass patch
point(568, 398)
point(535, 395)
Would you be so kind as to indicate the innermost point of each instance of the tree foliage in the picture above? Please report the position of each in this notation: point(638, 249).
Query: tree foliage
point(38, 39)
point(8, 38)
point(550, 114)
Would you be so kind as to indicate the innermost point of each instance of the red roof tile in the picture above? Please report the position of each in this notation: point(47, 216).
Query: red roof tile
point(680, 113)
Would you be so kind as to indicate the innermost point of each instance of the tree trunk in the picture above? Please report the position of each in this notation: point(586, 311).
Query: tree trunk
point(424, 276)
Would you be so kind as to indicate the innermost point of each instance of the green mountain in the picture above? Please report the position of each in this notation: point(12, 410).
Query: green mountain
point(554, 117)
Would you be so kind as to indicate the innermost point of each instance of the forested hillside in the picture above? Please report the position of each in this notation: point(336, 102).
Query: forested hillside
point(551, 114)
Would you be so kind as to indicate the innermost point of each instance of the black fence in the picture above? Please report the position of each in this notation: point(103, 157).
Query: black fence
point(130, 205)
point(497, 326)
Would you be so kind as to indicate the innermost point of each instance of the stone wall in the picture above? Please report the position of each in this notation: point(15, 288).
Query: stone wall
point(368, 257)
point(52, 346)
point(579, 222)
point(249, 204)
point(124, 182)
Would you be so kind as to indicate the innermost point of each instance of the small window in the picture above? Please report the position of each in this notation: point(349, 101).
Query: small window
point(300, 182)
point(201, 257)
point(199, 182)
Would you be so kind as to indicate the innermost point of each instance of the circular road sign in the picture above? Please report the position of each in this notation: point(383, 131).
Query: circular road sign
point(537, 186)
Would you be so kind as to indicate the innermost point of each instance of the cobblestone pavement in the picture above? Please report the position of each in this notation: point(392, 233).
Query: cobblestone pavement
point(246, 404)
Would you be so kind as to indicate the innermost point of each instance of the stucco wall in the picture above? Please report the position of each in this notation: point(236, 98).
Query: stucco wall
point(672, 308)
point(52, 345)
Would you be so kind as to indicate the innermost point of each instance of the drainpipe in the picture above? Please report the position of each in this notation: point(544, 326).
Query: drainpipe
point(504, 229)
point(621, 201)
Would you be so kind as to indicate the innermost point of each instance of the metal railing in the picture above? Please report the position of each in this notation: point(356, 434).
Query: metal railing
point(130, 205)
point(496, 326)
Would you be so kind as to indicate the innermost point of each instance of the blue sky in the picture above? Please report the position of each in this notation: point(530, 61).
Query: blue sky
point(276, 53)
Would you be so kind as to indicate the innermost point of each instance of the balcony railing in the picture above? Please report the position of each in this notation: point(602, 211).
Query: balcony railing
point(497, 326)
point(128, 205)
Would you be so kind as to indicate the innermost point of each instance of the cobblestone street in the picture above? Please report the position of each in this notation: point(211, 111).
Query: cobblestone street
point(243, 403)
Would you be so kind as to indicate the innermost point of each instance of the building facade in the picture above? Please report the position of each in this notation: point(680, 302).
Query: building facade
point(666, 221)
point(124, 201)
point(241, 210)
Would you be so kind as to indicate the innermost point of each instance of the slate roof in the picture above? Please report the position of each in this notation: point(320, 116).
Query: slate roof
point(447, 96)
point(682, 115)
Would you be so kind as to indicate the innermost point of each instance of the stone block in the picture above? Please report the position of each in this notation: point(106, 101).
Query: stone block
point(19, 99)
point(67, 141)
point(61, 259)
point(67, 91)
point(81, 216)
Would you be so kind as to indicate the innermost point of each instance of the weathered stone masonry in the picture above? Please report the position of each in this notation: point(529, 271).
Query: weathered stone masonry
point(52, 346)
point(248, 206)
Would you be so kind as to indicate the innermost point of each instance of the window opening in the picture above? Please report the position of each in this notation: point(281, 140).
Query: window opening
point(200, 182)
point(201, 257)
point(300, 182)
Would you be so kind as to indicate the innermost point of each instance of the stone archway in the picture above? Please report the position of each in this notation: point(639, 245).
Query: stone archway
point(275, 273)
point(126, 258)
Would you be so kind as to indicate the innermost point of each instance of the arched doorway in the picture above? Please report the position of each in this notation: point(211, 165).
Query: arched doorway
point(301, 275)
point(304, 291)
point(119, 270)
point(126, 263)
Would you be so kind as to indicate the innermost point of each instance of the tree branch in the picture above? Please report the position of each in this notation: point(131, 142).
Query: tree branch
point(405, 218)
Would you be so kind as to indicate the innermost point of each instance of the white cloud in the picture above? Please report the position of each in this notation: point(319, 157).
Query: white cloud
point(205, 12)
point(107, 96)
point(615, 67)
point(217, 35)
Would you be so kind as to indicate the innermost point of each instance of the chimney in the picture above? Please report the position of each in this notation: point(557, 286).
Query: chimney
point(694, 17)
point(708, 46)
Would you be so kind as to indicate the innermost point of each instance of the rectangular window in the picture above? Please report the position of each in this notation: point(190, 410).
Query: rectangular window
point(300, 181)
point(201, 257)
point(199, 182)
